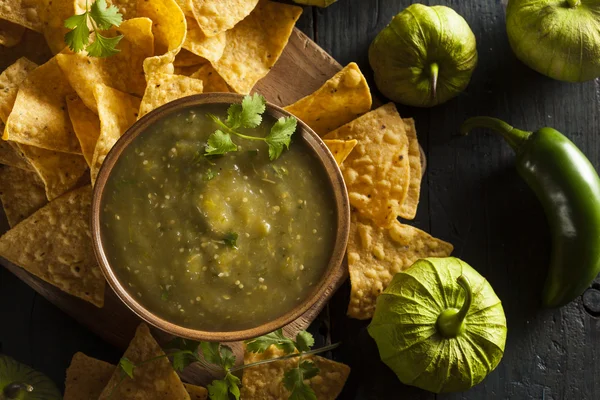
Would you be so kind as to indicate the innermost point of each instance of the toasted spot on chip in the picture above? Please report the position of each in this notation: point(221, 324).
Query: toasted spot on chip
point(196, 392)
point(208, 47)
point(216, 16)
point(154, 380)
point(10, 80)
point(123, 71)
point(39, 116)
point(55, 245)
point(377, 171)
point(376, 254)
point(117, 112)
point(266, 381)
point(186, 58)
point(408, 209)
point(10, 33)
point(340, 149)
point(86, 125)
point(163, 88)
point(86, 377)
point(21, 12)
point(213, 82)
point(255, 44)
point(340, 100)
point(21, 192)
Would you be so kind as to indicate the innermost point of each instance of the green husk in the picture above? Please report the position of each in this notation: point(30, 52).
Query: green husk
point(424, 57)
point(440, 326)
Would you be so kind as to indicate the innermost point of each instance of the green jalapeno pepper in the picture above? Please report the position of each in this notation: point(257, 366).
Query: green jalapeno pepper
point(568, 186)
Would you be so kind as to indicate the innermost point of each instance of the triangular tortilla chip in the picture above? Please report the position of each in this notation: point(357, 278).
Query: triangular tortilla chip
point(255, 44)
point(154, 380)
point(216, 16)
point(186, 58)
point(196, 392)
point(123, 71)
point(408, 210)
point(163, 88)
point(55, 245)
point(340, 149)
point(266, 381)
point(211, 79)
point(117, 112)
point(21, 12)
point(39, 116)
point(10, 80)
point(86, 378)
point(10, 33)
point(53, 13)
point(376, 254)
point(86, 125)
point(9, 155)
point(340, 100)
point(208, 47)
point(21, 192)
point(377, 171)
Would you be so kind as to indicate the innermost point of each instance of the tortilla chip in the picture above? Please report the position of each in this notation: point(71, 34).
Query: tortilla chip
point(39, 116)
point(340, 149)
point(255, 44)
point(186, 58)
point(10, 34)
point(265, 382)
point(377, 171)
point(126, 7)
point(208, 47)
point(21, 12)
point(32, 45)
point(169, 28)
point(340, 100)
point(55, 245)
point(408, 209)
point(117, 112)
point(86, 377)
point(53, 13)
point(123, 71)
point(211, 79)
point(10, 156)
point(21, 192)
point(376, 254)
point(10, 80)
point(155, 380)
point(216, 16)
point(86, 125)
point(196, 392)
point(165, 88)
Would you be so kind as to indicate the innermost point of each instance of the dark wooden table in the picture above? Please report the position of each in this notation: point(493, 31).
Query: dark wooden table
point(471, 196)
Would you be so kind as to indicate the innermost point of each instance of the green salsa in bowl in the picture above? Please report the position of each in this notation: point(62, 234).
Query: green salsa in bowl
point(219, 247)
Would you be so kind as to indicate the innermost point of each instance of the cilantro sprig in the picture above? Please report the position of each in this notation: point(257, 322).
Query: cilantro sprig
point(248, 114)
point(184, 352)
point(101, 18)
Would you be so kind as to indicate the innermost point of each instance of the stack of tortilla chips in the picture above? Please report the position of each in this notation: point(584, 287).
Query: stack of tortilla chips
point(61, 116)
point(381, 162)
point(92, 379)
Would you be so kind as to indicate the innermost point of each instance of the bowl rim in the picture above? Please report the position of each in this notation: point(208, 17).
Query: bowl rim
point(322, 291)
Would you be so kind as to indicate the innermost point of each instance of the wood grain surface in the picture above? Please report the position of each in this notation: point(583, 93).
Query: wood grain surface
point(471, 196)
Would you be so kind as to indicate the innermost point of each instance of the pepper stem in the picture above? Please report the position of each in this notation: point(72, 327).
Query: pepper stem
point(514, 137)
point(574, 3)
point(13, 391)
point(434, 70)
point(450, 323)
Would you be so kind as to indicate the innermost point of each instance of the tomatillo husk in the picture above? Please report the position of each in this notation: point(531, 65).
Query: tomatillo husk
point(439, 326)
point(424, 57)
point(557, 38)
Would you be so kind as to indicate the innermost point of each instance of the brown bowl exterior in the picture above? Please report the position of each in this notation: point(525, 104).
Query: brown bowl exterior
point(331, 274)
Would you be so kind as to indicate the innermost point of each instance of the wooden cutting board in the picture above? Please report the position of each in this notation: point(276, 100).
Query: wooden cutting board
point(302, 69)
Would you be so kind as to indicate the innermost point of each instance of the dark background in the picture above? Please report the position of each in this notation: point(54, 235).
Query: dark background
point(471, 196)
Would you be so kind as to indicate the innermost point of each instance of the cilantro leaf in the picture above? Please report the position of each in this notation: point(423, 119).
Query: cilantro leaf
point(227, 357)
point(309, 369)
point(219, 143)
point(103, 16)
point(233, 383)
point(304, 341)
point(182, 359)
point(277, 338)
point(127, 366)
point(210, 351)
point(218, 390)
point(252, 109)
point(293, 380)
point(79, 36)
point(302, 392)
point(104, 46)
point(234, 116)
point(231, 239)
point(280, 136)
